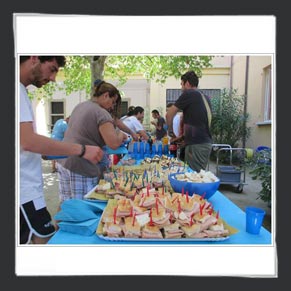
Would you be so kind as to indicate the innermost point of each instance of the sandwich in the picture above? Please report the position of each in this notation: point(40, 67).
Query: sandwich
point(151, 231)
point(124, 208)
point(216, 230)
point(173, 231)
point(193, 231)
point(160, 217)
point(131, 227)
point(112, 230)
point(147, 201)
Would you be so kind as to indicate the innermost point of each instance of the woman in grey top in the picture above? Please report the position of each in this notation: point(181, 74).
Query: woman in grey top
point(90, 123)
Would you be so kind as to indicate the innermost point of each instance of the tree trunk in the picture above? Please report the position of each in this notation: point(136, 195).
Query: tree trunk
point(97, 69)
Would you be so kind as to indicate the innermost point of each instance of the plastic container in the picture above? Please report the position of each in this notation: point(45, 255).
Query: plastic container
point(206, 189)
point(166, 149)
point(160, 149)
point(229, 174)
point(254, 219)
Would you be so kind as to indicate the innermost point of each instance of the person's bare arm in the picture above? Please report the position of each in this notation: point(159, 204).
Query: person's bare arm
point(112, 138)
point(119, 123)
point(143, 134)
point(36, 143)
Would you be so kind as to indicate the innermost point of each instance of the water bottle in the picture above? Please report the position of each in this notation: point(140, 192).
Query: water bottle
point(150, 143)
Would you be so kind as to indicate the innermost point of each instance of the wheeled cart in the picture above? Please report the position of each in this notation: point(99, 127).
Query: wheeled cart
point(231, 174)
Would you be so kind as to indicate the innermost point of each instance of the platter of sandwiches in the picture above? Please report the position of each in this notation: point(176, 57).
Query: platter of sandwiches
point(125, 182)
point(155, 215)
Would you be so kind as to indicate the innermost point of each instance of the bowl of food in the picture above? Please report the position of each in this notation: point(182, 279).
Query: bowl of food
point(204, 183)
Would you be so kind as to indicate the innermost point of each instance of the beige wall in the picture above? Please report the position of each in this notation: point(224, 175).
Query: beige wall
point(261, 131)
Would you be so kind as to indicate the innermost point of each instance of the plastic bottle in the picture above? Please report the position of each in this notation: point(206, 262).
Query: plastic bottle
point(173, 149)
point(150, 142)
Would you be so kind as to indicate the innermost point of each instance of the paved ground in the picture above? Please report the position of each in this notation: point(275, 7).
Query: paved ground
point(247, 197)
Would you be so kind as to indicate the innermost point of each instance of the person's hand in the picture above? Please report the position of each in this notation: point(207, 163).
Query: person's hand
point(124, 137)
point(94, 154)
point(153, 122)
point(135, 136)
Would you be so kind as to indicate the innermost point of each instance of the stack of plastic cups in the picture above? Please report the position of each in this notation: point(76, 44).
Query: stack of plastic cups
point(154, 150)
point(160, 149)
point(130, 148)
point(147, 151)
point(141, 149)
point(166, 149)
point(135, 150)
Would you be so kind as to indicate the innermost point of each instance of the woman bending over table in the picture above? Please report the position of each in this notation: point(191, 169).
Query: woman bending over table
point(90, 123)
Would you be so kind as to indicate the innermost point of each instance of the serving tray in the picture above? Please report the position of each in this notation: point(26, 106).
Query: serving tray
point(107, 238)
point(92, 191)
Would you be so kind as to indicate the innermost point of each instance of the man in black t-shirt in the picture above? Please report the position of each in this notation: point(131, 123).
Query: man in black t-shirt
point(197, 136)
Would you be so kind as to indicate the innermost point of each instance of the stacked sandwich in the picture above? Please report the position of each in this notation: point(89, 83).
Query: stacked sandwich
point(157, 214)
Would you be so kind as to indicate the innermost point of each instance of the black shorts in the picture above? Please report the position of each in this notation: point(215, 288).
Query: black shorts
point(34, 222)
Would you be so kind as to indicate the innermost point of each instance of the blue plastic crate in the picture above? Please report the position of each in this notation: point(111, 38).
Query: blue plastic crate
point(229, 174)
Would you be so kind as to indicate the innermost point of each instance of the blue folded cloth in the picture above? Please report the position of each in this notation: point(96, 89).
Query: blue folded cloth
point(76, 210)
point(87, 227)
point(118, 151)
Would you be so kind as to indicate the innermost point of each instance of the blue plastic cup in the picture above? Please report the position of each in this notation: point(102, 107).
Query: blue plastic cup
point(147, 148)
point(166, 149)
point(254, 219)
point(135, 148)
point(160, 149)
point(141, 147)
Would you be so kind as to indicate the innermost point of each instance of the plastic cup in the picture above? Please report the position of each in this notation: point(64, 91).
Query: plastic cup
point(166, 149)
point(147, 148)
point(160, 149)
point(254, 219)
point(141, 147)
point(135, 148)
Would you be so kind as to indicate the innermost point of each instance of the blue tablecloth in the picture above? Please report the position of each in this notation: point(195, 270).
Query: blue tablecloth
point(231, 213)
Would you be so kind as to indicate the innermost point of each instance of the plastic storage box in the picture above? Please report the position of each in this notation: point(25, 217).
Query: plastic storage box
point(229, 174)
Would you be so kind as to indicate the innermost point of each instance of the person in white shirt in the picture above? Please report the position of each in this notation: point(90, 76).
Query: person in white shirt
point(176, 121)
point(35, 223)
point(134, 122)
point(129, 113)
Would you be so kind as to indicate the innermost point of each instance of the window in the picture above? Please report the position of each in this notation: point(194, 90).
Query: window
point(57, 112)
point(267, 94)
point(173, 94)
point(124, 108)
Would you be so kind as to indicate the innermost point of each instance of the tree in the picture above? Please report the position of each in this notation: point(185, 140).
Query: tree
point(228, 121)
point(81, 71)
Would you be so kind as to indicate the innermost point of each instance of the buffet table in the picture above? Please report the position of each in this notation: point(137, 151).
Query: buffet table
point(231, 213)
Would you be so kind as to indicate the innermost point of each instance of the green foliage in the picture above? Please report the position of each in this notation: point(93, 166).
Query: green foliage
point(80, 71)
point(45, 92)
point(157, 68)
point(77, 74)
point(228, 120)
point(261, 169)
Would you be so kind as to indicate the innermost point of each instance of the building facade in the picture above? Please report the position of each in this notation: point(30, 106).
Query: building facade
point(252, 76)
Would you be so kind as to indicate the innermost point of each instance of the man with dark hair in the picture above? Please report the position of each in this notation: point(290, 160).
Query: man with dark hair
point(196, 117)
point(159, 124)
point(35, 220)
